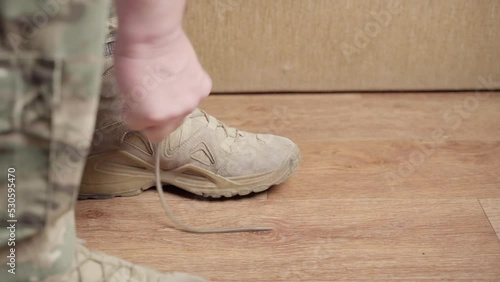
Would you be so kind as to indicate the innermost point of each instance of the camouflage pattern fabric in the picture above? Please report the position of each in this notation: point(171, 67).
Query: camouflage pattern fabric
point(50, 65)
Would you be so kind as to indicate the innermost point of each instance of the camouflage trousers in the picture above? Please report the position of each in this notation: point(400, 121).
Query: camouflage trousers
point(50, 65)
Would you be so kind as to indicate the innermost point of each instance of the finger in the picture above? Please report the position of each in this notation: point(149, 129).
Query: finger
point(133, 121)
point(158, 133)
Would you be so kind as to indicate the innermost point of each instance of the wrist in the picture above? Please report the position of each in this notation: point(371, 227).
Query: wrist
point(148, 24)
point(147, 44)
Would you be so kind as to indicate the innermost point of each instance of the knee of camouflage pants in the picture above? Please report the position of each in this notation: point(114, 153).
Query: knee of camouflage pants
point(50, 61)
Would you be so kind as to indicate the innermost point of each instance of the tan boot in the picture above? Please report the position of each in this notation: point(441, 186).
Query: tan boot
point(203, 156)
point(95, 266)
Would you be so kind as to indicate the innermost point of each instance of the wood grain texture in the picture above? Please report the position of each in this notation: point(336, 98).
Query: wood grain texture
point(340, 217)
point(492, 209)
point(323, 117)
point(315, 240)
point(394, 169)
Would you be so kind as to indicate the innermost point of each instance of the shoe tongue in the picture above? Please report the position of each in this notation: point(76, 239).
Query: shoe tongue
point(200, 121)
point(191, 125)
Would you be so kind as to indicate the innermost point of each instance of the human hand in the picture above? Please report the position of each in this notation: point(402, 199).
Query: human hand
point(162, 82)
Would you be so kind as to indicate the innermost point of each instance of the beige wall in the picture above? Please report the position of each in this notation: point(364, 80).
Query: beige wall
point(341, 45)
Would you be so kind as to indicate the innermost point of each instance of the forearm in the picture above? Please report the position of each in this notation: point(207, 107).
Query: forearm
point(148, 23)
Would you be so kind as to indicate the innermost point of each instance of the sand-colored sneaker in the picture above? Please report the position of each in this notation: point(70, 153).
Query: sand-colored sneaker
point(203, 156)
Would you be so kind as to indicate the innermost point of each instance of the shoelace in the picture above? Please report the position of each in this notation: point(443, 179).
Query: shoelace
point(231, 133)
point(183, 227)
point(214, 123)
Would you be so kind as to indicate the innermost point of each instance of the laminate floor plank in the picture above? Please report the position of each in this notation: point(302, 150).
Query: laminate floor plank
point(314, 240)
point(391, 187)
point(492, 209)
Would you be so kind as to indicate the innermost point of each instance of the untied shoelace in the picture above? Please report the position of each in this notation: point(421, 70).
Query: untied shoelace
point(183, 227)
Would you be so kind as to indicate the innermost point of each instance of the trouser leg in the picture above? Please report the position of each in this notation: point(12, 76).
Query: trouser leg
point(50, 65)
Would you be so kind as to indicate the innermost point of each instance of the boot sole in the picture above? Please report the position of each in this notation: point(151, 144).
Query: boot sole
point(121, 174)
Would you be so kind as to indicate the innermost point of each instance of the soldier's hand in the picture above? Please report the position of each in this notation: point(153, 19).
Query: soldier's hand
point(162, 81)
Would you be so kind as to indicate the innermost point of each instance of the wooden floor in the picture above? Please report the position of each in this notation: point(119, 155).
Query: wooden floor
point(392, 186)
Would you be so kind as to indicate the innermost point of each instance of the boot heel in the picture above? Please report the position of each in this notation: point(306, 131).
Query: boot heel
point(115, 174)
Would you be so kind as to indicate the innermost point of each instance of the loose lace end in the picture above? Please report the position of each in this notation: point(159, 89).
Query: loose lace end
point(183, 227)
